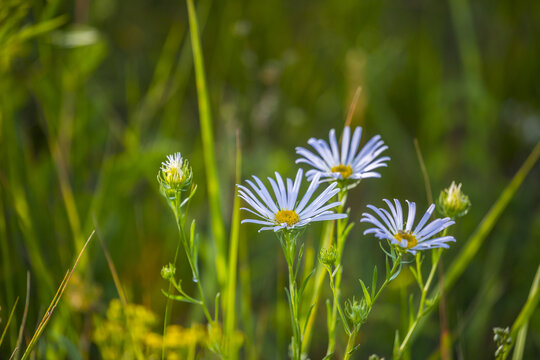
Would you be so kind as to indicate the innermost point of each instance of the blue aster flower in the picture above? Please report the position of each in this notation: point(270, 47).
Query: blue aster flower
point(350, 163)
point(390, 226)
point(285, 212)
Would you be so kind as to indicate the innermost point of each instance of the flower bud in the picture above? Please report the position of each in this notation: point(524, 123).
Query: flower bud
point(503, 340)
point(174, 175)
point(168, 271)
point(452, 202)
point(357, 311)
point(328, 256)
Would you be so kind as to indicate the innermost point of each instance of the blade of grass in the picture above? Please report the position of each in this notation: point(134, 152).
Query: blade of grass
point(9, 320)
point(4, 249)
point(54, 303)
point(427, 184)
point(25, 314)
point(233, 255)
point(110, 263)
point(524, 316)
point(245, 303)
point(218, 227)
point(476, 240)
point(352, 107)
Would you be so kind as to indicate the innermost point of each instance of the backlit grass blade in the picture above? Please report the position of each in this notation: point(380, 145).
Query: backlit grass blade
point(218, 227)
point(9, 320)
point(53, 304)
point(230, 319)
point(477, 239)
point(522, 322)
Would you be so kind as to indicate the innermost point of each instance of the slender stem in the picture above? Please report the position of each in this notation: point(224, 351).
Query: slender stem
point(338, 305)
point(350, 344)
point(326, 240)
point(340, 242)
point(296, 346)
point(289, 249)
point(387, 280)
point(174, 207)
point(420, 313)
point(195, 272)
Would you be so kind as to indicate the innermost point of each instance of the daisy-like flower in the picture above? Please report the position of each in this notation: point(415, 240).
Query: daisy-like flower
point(286, 212)
point(390, 226)
point(350, 163)
point(175, 173)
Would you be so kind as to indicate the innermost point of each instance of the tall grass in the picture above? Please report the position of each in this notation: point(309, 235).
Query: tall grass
point(94, 94)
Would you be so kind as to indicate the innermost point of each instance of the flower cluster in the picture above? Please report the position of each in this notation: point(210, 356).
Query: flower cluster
point(288, 206)
point(351, 164)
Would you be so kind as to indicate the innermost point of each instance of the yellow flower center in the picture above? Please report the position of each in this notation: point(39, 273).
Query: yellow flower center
point(407, 236)
point(344, 170)
point(174, 175)
point(287, 216)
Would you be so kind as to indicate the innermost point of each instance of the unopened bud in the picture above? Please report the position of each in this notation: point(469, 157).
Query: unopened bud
point(452, 202)
point(328, 256)
point(357, 311)
point(174, 175)
point(168, 271)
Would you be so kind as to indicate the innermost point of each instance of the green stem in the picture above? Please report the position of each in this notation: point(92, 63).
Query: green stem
point(387, 280)
point(337, 304)
point(296, 346)
point(340, 242)
point(328, 231)
point(420, 313)
point(289, 245)
point(194, 271)
point(350, 344)
point(174, 207)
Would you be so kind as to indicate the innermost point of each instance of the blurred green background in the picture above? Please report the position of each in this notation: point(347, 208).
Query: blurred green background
point(95, 94)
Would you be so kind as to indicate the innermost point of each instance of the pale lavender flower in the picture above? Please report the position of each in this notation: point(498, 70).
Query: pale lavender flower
point(349, 163)
point(390, 226)
point(285, 211)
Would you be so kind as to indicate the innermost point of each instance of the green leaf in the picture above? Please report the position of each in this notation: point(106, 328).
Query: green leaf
point(396, 345)
point(304, 283)
point(180, 298)
point(374, 282)
point(307, 318)
point(366, 293)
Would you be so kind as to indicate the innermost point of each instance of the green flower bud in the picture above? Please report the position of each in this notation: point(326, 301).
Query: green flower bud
point(452, 202)
point(328, 256)
point(357, 311)
point(503, 340)
point(168, 271)
point(175, 175)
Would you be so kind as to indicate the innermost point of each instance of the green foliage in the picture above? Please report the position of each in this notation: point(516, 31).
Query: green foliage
point(94, 94)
